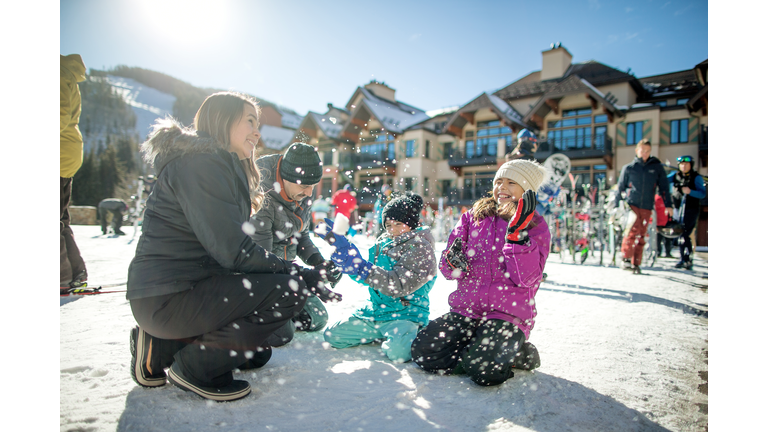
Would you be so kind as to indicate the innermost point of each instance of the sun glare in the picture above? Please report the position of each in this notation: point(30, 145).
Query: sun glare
point(187, 21)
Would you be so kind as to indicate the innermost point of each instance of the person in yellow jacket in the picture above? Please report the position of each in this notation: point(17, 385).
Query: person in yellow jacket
point(73, 272)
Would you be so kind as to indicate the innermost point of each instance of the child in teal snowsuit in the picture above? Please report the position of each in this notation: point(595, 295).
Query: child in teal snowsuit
point(400, 271)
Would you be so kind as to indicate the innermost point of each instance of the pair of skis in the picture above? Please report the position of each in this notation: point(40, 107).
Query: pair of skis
point(81, 291)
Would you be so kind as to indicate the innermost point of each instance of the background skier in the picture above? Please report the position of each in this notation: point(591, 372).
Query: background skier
point(688, 190)
point(116, 206)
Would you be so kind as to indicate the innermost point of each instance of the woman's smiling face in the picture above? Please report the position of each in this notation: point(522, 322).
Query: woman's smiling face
point(506, 191)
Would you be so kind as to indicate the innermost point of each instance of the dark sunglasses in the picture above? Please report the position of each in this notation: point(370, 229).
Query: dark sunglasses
point(684, 159)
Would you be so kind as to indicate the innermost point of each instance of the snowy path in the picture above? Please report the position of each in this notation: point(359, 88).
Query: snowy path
point(619, 353)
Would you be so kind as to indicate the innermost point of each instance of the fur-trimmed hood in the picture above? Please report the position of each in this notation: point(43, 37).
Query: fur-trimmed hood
point(170, 139)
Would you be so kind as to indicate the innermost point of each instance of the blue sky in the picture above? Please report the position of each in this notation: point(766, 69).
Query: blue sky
point(304, 54)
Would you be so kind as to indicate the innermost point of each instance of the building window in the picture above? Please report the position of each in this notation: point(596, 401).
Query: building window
point(477, 185)
point(660, 103)
point(379, 147)
point(682, 101)
point(577, 130)
point(488, 134)
point(426, 150)
point(447, 150)
point(634, 132)
point(678, 131)
point(408, 183)
point(410, 148)
point(426, 187)
point(328, 158)
point(445, 187)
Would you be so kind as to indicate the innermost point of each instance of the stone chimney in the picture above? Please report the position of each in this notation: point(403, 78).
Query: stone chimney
point(554, 62)
point(381, 90)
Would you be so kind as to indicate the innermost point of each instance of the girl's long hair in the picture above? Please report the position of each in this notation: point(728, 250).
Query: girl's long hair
point(216, 116)
point(488, 207)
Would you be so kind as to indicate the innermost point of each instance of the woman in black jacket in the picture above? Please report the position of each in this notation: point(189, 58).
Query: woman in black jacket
point(205, 296)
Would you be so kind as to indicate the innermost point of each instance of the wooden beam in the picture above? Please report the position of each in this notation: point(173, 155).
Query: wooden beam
point(312, 133)
point(455, 130)
point(610, 114)
point(592, 100)
point(608, 161)
point(538, 120)
point(552, 104)
point(359, 122)
point(457, 170)
point(468, 116)
point(351, 136)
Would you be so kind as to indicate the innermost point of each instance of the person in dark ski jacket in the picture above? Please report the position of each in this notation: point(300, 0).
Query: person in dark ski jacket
point(282, 226)
point(688, 190)
point(204, 294)
point(527, 145)
point(400, 272)
point(638, 184)
point(116, 206)
point(497, 254)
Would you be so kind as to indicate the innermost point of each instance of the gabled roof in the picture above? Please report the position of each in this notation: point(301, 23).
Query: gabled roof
point(574, 84)
point(328, 125)
point(595, 72)
point(395, 117)
point(502, 109)
point(671, 83)
point(276, 138)
point(289, 119)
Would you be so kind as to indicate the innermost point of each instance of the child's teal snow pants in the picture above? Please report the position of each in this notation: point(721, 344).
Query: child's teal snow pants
point(397, 336)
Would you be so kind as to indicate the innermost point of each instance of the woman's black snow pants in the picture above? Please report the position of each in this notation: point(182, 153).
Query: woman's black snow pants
point(483, 349)
point(220, 324)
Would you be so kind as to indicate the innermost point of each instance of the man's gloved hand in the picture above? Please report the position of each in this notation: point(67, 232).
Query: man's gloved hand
point(331, 272)
point(317, 285)
point(455, 257)
point(349, 259)
point(526, 206)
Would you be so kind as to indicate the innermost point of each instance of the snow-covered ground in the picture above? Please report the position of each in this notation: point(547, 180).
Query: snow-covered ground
point(618, 353)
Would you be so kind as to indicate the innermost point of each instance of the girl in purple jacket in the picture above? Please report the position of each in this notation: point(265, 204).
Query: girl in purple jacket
point(497, 256)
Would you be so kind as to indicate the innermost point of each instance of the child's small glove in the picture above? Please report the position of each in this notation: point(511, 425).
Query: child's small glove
point(455, 257)
point(348, 258)
point(526, 206)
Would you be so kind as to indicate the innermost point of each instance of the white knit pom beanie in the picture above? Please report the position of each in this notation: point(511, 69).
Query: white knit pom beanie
point(528, 174)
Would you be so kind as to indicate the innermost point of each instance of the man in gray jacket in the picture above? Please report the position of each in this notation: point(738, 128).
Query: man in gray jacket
point(283, 225)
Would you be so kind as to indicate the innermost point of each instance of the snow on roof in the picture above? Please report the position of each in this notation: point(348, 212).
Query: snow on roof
point(290, 119)
point(439, 111)
point(276, 138)
point(394, 117)
point(505, 108)
point(330, 125)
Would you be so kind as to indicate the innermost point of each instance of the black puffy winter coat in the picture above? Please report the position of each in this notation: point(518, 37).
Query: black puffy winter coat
point(193, 222)
point(639, 180)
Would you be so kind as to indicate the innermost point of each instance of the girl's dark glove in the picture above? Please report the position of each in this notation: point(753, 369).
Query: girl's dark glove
point(317, 285)
point(526, 206)
point(455, 257)
point(331, 272)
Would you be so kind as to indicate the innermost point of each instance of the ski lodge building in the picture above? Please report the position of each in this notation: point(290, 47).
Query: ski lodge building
point(592, 113)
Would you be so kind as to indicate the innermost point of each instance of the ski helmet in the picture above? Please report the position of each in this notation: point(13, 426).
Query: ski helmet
point(686, 158)
point(672, 230)
point(526, 135)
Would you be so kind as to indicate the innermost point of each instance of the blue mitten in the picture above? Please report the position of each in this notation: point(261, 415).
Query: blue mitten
point(348, 258)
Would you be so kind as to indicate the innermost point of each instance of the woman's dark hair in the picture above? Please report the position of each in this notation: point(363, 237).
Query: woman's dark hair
point(216, 116)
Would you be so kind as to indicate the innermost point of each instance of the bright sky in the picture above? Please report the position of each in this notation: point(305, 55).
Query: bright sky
point(436, 54)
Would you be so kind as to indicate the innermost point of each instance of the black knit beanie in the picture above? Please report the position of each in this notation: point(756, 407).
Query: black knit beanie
point(301, 164)
point(404, 208)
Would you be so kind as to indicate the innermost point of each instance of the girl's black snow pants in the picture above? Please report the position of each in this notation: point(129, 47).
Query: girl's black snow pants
point(219, 324)
point(483, 349)
point(690, 217)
